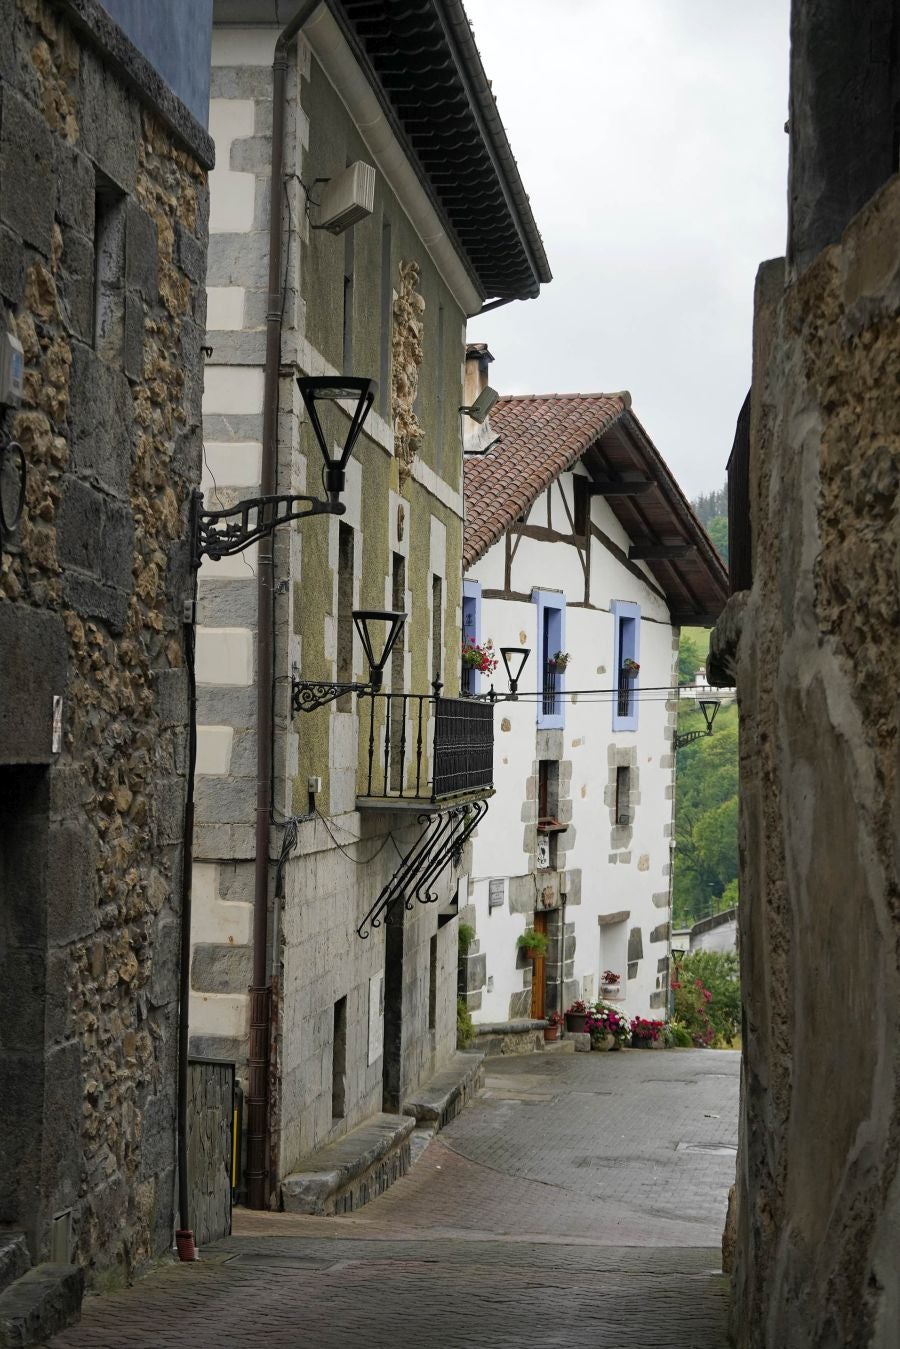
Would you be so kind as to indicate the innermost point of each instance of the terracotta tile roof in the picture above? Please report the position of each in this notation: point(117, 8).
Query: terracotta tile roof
point(542, 436)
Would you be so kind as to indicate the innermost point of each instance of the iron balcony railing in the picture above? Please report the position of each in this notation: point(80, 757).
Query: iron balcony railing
point(626, 693)
point(551, 702)
point(420, 747)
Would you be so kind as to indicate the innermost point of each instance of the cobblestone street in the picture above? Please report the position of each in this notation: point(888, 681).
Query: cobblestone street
point(580, 1200)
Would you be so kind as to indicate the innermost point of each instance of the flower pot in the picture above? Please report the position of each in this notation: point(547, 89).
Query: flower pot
point(551, 1033)
point(184, 1244)
point(611, 990)
point(603, 1042)
point(576, 1022)
point(532, 952)
point(641, 1042)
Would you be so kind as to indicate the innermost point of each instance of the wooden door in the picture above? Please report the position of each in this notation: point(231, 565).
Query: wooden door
point(538, 972)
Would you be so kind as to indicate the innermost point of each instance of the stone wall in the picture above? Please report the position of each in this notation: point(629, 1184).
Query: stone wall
point(816, 652)
point(103, 211)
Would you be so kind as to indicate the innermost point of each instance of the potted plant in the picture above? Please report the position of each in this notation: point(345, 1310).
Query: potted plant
point(610, 984)
point(607, 1027)
point(534, 944)
point(576, 1017)
point(644, 1033)
point(630, 667)
point(479, 657)
point(551, 1030)
point(558, 661)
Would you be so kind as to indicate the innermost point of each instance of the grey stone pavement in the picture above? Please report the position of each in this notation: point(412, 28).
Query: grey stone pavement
point(578, 1202)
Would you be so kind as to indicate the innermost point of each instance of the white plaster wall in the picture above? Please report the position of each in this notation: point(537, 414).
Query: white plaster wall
point(625, 874)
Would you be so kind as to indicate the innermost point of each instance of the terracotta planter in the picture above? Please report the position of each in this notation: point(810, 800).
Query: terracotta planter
point(184, 1244)
point(551, 1033)
point(576, 1022)
point(532, 953)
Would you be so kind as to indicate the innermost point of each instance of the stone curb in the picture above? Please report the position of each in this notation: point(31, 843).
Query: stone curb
point(41, 1303)
point(348, 1173)
point(441, 1099)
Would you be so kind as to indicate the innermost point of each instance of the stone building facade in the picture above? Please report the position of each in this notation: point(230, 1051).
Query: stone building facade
point(103, 218)
point(356, 1021)
point(813, 641)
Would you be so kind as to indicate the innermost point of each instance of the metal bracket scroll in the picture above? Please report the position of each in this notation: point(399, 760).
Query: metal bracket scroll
point(441, 842)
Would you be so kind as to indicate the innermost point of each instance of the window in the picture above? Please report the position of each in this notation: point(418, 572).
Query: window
point(626, 654)
point(548, 825)
point(623, 796)
point(470, 680)
point(345, 612)
point(614, 956)
point(432, 982)
point(339, 1060)
point(551, 627)
point(398, 663)
point(437, 627)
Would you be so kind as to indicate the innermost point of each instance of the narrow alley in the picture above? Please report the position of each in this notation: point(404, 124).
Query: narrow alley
point(579, 1200)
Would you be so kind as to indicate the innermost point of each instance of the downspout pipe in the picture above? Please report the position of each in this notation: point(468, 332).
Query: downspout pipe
point(257, 1169)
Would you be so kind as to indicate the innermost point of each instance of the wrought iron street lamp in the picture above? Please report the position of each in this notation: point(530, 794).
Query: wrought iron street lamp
point(307, 695)
point(219, 534)
point(514, 658)
point(709, 707)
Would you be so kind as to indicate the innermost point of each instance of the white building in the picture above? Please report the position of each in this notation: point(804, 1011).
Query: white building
point(578, 539)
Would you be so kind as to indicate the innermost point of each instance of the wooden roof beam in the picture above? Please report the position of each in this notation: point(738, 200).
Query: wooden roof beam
point(660, 552)
point(606, 487)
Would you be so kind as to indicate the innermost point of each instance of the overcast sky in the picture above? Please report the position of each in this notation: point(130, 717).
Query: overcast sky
point(650, 138)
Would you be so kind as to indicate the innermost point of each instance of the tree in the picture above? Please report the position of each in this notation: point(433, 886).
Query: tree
point(691, 654)
point(706, 812)
point(717, 529)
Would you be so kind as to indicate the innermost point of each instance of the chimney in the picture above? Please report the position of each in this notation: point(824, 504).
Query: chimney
point(476, 438)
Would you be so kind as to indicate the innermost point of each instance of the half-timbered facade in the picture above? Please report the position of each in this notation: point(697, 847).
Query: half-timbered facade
point(580, 546)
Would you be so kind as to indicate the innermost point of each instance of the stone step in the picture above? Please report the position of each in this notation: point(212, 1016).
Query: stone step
point(522, 1036)
point(348, 1173)
point(445, 1095)
point(14, 1257)
point(559, 1046)
point(39, 1304)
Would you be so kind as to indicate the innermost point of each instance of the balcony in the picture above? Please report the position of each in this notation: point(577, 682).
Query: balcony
point(420, 750)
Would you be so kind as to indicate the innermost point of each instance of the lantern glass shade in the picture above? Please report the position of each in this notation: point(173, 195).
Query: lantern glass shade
point(362, 619)
point(709, 707)
point(332, 389)
point(514, 658)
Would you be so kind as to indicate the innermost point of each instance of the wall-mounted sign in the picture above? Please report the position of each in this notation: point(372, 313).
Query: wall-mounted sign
point(496, 894)
point(543, 851)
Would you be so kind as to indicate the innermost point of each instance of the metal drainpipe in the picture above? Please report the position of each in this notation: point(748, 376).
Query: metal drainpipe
point(257, 1169)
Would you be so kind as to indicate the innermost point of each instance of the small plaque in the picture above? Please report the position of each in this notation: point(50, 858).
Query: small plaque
point(496, 894)
point(56, 739)
point(543, 851)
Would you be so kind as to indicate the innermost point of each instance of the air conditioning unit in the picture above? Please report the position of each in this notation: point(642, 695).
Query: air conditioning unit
point(347, 198)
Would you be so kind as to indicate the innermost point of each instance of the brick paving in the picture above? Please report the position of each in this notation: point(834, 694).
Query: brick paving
point(579, 1200)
